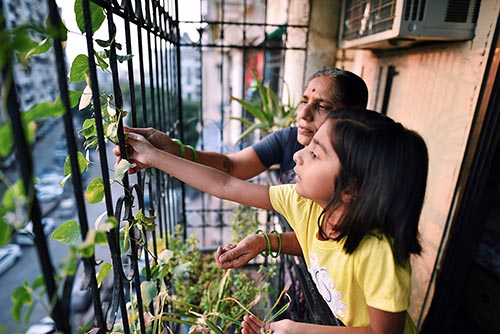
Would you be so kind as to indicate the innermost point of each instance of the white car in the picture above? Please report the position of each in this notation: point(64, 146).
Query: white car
point(48, 187)
point(8, 256)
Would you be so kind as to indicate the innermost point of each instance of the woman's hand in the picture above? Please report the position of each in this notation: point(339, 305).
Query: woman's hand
point(253, 325)
point(158, 139)
point(139, 150)
point(236, 256)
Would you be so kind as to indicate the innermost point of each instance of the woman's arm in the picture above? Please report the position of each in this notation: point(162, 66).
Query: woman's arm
point(381, 322)
point(243, 164)
point(202, 177)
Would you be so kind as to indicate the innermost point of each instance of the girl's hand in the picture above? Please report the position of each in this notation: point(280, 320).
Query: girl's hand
point(236, 256)
point(253, 325)
point(139, 150)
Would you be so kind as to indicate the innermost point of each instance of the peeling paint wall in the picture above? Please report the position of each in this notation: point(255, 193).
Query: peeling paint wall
point(435, 93)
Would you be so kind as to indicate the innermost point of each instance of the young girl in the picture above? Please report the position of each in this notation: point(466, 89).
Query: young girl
point(355, 208)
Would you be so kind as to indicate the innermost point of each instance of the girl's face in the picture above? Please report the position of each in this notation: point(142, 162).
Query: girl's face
point(317, 101)
point(317, 166)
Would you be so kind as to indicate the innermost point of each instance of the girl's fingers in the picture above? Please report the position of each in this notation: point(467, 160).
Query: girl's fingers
point(252, 324)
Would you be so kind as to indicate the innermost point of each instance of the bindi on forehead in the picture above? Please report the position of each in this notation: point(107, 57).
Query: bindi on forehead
point(314, 89)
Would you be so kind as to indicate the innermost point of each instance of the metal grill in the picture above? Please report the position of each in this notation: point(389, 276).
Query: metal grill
point(363, 18)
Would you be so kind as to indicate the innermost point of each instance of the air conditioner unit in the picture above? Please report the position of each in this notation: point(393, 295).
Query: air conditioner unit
point(383, 24)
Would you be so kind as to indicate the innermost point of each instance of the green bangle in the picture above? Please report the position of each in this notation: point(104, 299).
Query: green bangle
point(268, 243)
point(278, 253)
point(195, 154)
point(181, 146)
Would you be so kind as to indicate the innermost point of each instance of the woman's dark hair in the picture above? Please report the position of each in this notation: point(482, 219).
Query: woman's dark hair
point(384, 170)
point(348, 89)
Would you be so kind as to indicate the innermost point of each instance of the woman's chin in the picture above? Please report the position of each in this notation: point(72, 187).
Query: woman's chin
point(304, 139)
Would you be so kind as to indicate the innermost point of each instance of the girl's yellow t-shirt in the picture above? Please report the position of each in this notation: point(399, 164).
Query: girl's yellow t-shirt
point(349, 283)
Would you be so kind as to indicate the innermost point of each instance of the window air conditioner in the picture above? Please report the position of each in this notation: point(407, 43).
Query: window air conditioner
point(383, 24)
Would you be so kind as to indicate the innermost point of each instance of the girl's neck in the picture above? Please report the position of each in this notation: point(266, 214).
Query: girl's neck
point(328, 225)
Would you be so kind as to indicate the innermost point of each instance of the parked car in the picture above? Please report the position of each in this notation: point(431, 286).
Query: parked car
point(45, 326)
point(26, 237)
point(48, 187)
point(8, 256)
point(66, 208)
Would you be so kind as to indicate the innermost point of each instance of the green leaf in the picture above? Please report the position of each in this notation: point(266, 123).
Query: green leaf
point(87, 247)
point(67, 233)
point(100, 59)
point(103, 43)
point(5, 231)
point(6, 138)
point(22, 41)
point(74, 98)
point(59, 31)
point(88, 128)
point(253, 109)
point(95, 191)
point(83, 164)
point(213, 327)
point(104, 272)
point(121, 169)
point(148, 292)
point(124, 240)
point(39, 282)
point(43, 110)
point(20, 296)
point(96, 13)
point(13, 195)
point(148, 223)
point(79, 68)
point(100, 238)
point(42, 47)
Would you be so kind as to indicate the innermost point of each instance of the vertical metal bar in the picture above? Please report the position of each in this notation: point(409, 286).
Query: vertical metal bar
point(75, 172)
point(127, 191)
point(102, 153)
point(22, 151)
point(140, 23)
point(150, 62)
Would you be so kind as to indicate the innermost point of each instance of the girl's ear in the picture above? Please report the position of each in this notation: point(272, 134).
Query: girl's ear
point(348, 195)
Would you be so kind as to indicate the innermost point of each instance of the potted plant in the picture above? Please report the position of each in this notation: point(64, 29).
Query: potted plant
point(269, 112)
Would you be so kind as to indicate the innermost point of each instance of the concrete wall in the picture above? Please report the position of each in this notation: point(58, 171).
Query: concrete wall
point(435, 93)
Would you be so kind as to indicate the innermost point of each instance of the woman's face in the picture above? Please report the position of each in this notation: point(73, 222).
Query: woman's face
point(317, 101)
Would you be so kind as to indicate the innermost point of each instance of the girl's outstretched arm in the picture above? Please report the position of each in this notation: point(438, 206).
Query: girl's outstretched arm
point(206, 179)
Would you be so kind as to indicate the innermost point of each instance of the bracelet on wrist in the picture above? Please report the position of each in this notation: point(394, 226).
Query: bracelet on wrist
point(278, 252)
point(268, 243)
point(181, 146)
point(195, 154)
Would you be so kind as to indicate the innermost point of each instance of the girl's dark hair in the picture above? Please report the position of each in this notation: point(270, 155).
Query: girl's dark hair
point(384, 170)
point(349, 89)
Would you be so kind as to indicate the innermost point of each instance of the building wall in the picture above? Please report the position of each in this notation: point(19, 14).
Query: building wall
point(37, 82)
point(435, 93)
